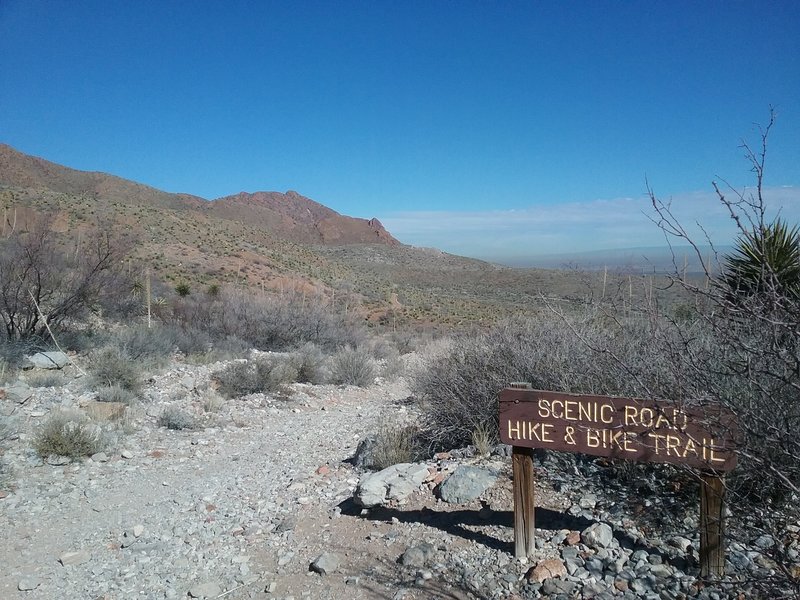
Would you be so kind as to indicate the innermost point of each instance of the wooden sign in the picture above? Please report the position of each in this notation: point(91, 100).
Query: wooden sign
point(627, 428)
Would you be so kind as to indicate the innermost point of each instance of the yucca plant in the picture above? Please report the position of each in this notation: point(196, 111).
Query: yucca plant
point(764, 262)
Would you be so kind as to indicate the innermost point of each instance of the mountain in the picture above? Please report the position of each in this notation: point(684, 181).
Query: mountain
point(287, 216)
point(284, 242)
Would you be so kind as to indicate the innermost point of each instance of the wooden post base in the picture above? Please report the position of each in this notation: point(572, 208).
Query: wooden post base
point(712, 525)
point(524, 524)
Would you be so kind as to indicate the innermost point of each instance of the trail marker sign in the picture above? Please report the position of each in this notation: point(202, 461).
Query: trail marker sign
point(627, 428)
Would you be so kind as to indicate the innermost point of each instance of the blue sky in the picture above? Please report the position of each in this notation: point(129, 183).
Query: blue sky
point(491, 129)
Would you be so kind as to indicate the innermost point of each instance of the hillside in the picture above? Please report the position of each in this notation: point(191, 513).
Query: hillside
point(285, 241)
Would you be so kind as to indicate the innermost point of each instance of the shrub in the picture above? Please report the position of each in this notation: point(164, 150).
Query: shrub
point(116, 393)
point(147, 346)
point(353, 366)
point(394, 445)
point(183, 289)
point(264, 374)
point(212, 402)
point(46, 379)
point(309, 361)
point(69, 433)
point(176, 419)
point(270, 323)
point(110, 366)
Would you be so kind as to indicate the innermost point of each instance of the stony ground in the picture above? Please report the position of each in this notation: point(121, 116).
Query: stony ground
point(240, 507)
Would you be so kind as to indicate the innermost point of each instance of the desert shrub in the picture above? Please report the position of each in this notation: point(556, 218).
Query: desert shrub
point(212, 402)
point(395, 445)
point(81, 340)
point(111, 366)
point(353, 366)
point(581, 352)
point(69, 433)
point(46, 379)
point(310, 362)
point(147, 346)
point(264, 374)
point(176, 419)
point(116, 393)
point(484, 439)
point(270, 323)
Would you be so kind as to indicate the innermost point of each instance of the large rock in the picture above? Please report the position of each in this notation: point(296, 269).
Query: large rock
point(417, 556)
point(48, 360)
point(393, 483)
point(325, 563)
point(546, 569)
point(465, 484)
point(599, 535)
point(18, 392)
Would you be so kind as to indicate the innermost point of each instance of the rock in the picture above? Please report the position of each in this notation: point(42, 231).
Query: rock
point(47, 360)
point(681, 543)
point(188, 382)
point(126, 454)
point(56, 460)
point(393, 483)
point(588, 501)
point(100, 457)
point(599, 535)
point(765, 542)
point(573, 537)
point(28, 583)
point(325, 563)
point(18, 392)
point(210, 589)
point(551, 567)
point(105, 411)
point(417, 556)
point(465, 484)
point(364, 456)
point(138, 530)
point(74, 558)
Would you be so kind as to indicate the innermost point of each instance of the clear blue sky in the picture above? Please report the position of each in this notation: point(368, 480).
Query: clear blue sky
point(484, 128)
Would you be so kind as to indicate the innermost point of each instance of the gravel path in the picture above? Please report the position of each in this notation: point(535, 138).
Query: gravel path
point(215, 506)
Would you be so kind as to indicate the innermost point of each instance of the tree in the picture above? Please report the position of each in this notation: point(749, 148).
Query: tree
point(42, 283)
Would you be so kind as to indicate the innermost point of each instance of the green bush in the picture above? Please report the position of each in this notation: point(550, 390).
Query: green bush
point(69, 433)
point(111, 366)
point(353, 366)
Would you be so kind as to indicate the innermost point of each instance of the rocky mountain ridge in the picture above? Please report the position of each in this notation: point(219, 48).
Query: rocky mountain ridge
point(288, 216)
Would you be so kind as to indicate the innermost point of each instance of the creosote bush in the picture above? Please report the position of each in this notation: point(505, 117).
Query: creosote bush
point(46, 379)
point(353, 366)
point(69, 433)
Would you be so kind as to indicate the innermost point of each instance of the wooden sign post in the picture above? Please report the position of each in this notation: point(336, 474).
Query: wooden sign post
point(628, 428)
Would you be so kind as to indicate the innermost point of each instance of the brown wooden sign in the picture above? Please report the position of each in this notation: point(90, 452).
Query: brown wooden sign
point(627, 428)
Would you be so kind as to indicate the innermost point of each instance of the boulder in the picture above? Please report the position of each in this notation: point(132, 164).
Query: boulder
point(417, 556)
point(325, 563)
point(18, 392)
point(546, 569)
point(47, 360)
point(393, 483)
point(465, 484)
point(599, 535)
